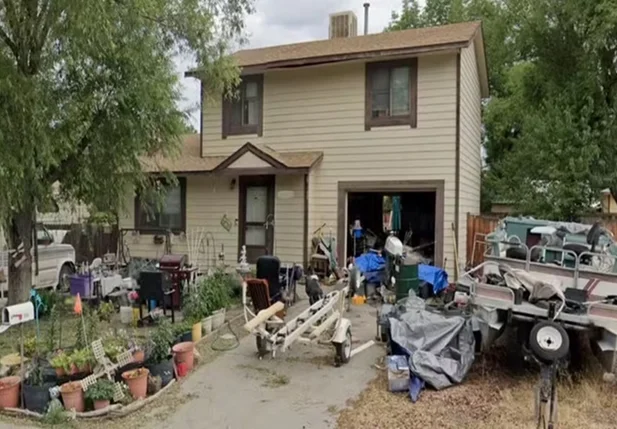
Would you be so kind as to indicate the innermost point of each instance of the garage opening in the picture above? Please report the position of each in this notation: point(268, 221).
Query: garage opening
point(371, 216)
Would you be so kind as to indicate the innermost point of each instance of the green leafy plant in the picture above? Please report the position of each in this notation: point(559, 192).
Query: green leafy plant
point(35, 374)
point(62, 360)
point(54, 328)
point(106, 311)
point(31, 346)
point(160, 342)
point(181, 328)
point(81, 358)
point(216, 290)
point(102, 390)
point(195, 306)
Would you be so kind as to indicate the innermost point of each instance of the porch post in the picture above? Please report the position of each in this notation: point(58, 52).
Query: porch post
point(306, 223)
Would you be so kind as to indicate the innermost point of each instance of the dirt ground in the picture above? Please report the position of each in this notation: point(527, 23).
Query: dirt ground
point(498, 393)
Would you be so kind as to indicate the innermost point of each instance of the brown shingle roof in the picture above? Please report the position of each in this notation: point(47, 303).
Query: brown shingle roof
point(381, 43)
point(190, 161)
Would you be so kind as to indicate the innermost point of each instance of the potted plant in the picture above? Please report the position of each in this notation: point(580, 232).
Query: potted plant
point(82, 360)
point(183, 332)
point(36, 390)
point(216, 291)
point(101, 393)
point(73, 396)
point(137, 381)
point(158, 356)
point(61, 362)
point(9, 392)
point(194, 309)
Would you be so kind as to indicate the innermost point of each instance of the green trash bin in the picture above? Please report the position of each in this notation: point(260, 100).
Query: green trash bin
point(406, 280)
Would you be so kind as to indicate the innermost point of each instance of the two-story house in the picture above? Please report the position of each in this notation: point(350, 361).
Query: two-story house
point(320, 132)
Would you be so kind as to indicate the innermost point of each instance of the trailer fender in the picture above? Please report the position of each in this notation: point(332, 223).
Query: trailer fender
point(341, 330)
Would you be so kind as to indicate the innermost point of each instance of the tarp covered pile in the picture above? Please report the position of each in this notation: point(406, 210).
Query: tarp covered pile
point(440, 348)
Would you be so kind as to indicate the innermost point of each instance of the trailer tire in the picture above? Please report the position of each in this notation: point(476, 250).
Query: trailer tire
point(343, 350)
point(549, 341)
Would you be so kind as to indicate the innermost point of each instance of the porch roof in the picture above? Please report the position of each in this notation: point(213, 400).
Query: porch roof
point(248, 157)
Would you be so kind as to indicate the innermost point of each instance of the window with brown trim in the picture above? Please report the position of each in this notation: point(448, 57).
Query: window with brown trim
point(243, 113)
point(391, 93)
point(169, 214)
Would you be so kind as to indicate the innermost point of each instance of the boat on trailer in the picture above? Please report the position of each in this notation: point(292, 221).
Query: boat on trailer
point(530, 265)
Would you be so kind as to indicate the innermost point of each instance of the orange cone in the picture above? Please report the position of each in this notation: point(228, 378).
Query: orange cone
point(77, 308)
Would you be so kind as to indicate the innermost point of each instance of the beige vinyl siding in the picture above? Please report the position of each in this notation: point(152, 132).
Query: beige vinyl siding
point(322, 109)
point(289, 218)
point(470, 140)
point(208, 199)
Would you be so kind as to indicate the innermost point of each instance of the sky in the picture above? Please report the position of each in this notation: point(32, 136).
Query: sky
point(279, 22)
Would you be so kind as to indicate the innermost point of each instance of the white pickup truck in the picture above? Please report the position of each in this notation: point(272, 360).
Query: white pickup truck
point(56, 263)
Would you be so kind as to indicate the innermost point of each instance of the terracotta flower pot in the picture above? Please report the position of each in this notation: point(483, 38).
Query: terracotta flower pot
point(139, 356)
point(101, 404)
point(9, 392)
point(60, 372)
point(183, 353)
point(137, 381)
point(73, 396)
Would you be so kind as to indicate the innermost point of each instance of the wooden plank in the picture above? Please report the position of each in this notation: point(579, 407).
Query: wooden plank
point(264, 315)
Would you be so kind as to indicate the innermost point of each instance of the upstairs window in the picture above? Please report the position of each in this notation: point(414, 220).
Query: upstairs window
point(243, 113)
point(170, 214)
point(391, 93)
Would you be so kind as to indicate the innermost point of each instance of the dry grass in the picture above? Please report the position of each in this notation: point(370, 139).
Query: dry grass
point(496, 394)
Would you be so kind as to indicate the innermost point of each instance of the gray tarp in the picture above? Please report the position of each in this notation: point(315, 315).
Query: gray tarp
point(441, 348)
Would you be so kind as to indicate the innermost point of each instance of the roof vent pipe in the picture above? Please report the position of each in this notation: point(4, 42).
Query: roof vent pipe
point(366, 6)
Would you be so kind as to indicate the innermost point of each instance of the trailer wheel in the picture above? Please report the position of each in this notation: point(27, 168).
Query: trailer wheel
point(343, 350)
point(549, 341)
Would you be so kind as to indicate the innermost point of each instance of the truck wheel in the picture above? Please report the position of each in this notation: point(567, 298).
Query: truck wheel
point(64, 284)
point(549, 341)
point(343, 350)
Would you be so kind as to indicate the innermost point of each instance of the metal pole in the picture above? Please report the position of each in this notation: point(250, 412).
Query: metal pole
point(366, 6)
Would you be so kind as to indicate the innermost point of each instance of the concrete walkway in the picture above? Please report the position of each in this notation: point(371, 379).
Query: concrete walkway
point(300, 389)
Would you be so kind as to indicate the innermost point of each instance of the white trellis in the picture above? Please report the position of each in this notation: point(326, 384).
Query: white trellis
point(105, 367)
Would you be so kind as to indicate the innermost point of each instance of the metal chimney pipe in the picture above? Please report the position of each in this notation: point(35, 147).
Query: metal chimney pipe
point(366, 6)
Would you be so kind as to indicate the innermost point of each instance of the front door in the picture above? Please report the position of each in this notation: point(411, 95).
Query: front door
point(256, 217)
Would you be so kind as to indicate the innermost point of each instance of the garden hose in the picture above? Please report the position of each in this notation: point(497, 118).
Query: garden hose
point(235, 341)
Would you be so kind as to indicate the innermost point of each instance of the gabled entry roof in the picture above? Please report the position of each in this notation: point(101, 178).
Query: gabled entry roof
point(252, 156)
point(247, 157)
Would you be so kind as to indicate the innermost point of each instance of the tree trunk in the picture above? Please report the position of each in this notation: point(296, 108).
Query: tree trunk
point(20, 256)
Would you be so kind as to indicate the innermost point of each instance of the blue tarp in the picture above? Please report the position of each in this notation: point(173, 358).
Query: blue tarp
point(434, 276)
point(371, 265)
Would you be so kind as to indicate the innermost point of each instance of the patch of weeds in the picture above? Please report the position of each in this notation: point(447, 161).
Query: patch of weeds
point(57, 416)
point(273, 379)
point(276, 380)
point(332, 409)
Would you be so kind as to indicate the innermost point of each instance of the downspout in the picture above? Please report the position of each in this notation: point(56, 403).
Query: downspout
point(201, 119)
point(457, 168)
point(306, 223)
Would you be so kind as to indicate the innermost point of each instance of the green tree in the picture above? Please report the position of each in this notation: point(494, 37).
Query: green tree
point(87, 89)
point(550, 124)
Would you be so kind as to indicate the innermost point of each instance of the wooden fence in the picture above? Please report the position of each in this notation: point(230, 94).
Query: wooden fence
point(480, 225)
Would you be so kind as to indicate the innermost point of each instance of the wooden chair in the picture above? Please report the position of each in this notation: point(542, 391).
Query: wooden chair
point(259, 292)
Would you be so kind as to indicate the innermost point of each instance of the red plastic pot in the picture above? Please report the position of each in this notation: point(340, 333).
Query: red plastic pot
point(73, 396)
point(137, 381)
point(183, 353)
point(101, 404)
point(9, 392)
